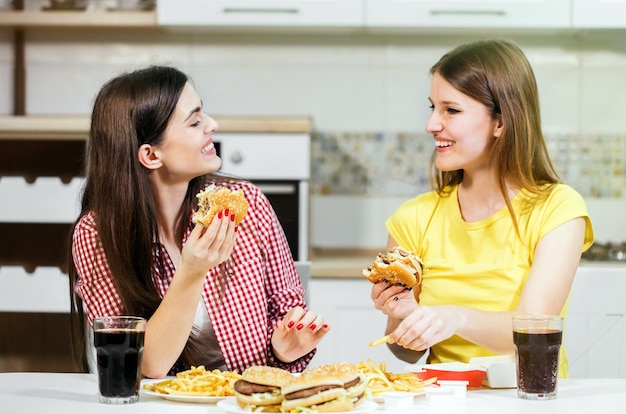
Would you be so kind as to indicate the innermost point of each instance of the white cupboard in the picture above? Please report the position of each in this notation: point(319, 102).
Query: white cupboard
point(541, 14)
point(599, 14)
point(347, 307)
point(255, 13)
point(595, 332)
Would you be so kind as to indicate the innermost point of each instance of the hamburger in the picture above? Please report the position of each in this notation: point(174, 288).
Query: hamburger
point(259, 388)
point(214, 199)
point(316, 391)
point(349, 375)
point(398, 267)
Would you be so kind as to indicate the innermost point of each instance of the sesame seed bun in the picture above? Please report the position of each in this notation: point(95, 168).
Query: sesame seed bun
point(349, 375)
point(259, 388)
point(316, 391)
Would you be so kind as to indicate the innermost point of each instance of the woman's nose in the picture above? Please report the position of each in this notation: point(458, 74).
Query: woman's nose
point(433, 124)
point(211, 125)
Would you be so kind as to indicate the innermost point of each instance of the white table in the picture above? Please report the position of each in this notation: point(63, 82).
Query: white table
point(51, 393)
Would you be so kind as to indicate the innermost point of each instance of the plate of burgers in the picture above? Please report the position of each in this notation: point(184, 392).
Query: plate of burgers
point(331, 388)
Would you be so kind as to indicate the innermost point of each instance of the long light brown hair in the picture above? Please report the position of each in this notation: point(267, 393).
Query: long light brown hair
point(496, 73)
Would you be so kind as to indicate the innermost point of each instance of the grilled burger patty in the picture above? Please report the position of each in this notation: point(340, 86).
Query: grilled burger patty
point(309, 391)
point(249, 388)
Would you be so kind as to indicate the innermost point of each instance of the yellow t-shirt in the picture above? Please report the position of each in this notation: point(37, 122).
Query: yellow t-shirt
point(481, 265)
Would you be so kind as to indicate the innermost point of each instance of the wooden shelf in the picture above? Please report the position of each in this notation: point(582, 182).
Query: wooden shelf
point(66, 127)
point(78, 19)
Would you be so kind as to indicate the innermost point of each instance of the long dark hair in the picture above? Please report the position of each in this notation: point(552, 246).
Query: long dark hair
point(130, 110)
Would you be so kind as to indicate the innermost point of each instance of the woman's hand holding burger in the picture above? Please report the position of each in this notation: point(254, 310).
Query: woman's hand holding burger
point(394, 301)
point(397, 278)
point(297, 334)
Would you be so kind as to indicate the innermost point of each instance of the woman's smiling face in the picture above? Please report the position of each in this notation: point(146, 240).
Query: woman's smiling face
point(463, 128)
point(187, 150)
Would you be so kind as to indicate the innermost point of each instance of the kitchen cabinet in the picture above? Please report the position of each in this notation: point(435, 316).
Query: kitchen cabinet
point(595, 331)
point(255, 13)
point(346, 306)
point(599, 14)
point(434, 14)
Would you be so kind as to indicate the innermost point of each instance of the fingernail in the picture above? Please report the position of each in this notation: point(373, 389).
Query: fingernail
point(312, 327)
point(300, 326)
point(232, 217)
point(225, 212)
point(395, 299)
point(219, 215)
point(324, 326)
point(290, 324)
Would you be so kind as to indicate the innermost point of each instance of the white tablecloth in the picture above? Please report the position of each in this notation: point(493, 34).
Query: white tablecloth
point(43, 393)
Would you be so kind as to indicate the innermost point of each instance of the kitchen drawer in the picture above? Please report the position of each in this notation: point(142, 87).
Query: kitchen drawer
point(459, 14)
point(265, 156)
point(45, 290)
point(599, 14)
point(47, 200)
point(222, 13)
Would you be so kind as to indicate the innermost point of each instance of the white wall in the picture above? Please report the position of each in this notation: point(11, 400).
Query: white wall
point(345, 82)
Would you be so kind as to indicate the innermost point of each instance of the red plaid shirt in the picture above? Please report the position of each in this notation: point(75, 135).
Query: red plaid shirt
point(261, 287)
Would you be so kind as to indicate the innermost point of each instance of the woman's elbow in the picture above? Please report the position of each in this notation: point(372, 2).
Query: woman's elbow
point(156, 371)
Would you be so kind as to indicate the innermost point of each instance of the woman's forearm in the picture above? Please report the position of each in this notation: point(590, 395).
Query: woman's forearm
point(168, 329)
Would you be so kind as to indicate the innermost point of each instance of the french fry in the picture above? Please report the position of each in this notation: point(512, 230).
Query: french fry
point(197, 381)
point(380, 341)
point(380, 381)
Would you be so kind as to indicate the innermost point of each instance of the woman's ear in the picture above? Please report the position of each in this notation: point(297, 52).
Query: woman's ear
point(148, 157)
point(497, 130)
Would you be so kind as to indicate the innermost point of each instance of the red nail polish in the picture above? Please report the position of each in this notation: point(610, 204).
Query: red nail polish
point(219, 215)
point(290, 324)
point(232, 217)
point(226, 213)
point(312, 327)
point(300, 326)
point(324, 326)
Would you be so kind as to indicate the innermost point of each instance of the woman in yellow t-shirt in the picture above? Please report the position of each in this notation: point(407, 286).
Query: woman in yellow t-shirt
point(499, 233)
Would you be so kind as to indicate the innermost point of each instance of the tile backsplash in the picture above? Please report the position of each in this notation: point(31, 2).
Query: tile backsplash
point(397, 164)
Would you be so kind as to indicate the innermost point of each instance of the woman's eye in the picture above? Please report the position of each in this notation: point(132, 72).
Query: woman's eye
point(431, 107)
point(452, 111)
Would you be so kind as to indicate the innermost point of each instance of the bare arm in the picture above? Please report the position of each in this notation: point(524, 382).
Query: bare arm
point(168, 329)
point(556, 258)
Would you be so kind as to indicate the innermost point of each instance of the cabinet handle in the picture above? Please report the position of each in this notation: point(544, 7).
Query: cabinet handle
point(468, 13)
point(275, 189)
point(259, 10)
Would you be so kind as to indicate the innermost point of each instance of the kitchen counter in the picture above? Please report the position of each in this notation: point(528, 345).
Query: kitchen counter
point(348, 263)
point(62, 127)
point(341, 263)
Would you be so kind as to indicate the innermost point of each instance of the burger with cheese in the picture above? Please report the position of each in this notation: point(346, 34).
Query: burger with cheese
point(350, 377)
point(259, 388)
point(315, 391)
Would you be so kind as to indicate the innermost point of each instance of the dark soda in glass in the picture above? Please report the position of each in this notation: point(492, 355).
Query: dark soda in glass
point(119, 354)
point(538, 359)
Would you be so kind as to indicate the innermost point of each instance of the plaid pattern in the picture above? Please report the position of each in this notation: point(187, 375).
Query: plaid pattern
point(261, 284)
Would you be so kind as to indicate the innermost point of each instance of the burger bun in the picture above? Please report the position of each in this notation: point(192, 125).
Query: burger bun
point(398, 267)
